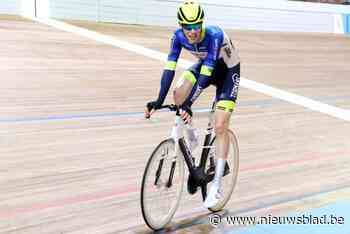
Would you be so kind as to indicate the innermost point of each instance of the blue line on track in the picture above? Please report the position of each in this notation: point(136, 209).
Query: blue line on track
point(261, 103)
point(68, 117)
point(81, 116)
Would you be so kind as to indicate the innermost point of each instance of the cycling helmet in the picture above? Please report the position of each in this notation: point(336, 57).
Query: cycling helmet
point(190, 12)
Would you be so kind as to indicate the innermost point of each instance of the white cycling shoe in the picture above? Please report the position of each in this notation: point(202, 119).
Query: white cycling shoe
point(213, 197)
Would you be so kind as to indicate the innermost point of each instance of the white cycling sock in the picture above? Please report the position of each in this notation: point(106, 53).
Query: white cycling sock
point(219, 172)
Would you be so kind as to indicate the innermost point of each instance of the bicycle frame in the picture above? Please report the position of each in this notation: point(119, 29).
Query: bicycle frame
point(180, 145)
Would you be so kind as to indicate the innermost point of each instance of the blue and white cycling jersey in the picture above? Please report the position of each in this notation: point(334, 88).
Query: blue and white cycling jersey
point(215, 45)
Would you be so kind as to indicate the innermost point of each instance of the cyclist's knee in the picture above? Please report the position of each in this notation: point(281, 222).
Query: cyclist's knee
point(184, 87)
point(220, 128)
point(179, 96)
point(222, 121)
point(224, 109)
point(187, 78)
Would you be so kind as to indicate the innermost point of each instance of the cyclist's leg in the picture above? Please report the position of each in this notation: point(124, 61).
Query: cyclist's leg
point(186, 84)
point(226, 95)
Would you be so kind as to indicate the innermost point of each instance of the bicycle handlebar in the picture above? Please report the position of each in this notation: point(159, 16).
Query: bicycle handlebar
point(171, 107)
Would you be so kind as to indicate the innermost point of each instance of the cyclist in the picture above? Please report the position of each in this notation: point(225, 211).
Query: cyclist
point(218, 65)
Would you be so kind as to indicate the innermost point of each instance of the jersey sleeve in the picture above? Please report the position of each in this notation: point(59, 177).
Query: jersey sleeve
point(169, 69)
point(175, 49)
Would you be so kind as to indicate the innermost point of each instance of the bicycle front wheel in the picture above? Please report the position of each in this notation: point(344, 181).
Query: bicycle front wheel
point(228, 181)
point(162, 185)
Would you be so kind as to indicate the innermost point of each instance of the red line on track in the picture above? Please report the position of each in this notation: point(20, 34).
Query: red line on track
point(67, 201)
point(308, 158)
point(127, 190)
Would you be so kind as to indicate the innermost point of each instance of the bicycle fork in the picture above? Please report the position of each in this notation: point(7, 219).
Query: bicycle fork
point(178, 137)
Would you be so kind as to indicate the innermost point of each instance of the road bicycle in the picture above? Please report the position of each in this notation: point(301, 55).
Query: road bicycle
point(164, 175)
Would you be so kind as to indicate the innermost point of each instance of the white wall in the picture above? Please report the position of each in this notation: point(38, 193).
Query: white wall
point(75, 9)
point(272, 19)
point(122, 11)
point(27, 8)
point(42, 8)
point(11, 7)
point(270, 15)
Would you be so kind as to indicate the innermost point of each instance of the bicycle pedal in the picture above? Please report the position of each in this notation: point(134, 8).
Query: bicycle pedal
point(211, 170)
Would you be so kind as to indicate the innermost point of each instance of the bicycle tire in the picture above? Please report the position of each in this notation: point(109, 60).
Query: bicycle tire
point(149, 212)
point(228, 182)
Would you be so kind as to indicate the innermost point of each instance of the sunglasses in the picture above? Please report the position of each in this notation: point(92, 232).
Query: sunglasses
point(190, 27)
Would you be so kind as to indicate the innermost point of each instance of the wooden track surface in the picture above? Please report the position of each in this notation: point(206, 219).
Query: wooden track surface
point(74, 143)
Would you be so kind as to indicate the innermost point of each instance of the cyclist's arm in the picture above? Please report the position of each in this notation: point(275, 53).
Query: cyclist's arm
point(169, 69)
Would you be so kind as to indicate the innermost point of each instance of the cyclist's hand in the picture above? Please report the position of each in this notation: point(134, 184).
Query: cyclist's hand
point(186, 113)
point(151, 107)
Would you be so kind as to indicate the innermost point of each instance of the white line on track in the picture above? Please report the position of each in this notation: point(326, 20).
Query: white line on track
point(259, 87)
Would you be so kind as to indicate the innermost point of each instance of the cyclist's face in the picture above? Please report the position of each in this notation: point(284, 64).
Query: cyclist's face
point(192, 32)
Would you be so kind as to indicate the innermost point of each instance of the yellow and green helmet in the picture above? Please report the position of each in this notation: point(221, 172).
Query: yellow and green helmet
point(190, 12)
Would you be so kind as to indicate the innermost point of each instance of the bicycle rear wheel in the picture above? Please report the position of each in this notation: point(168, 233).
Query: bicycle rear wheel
point(162, 185)
point(228, 181)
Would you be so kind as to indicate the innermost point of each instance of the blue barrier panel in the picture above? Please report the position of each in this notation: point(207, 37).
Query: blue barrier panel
point(346, 23)
point(332, 218)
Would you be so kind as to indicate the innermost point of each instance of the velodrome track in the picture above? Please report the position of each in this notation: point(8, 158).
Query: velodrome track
point(74, 142)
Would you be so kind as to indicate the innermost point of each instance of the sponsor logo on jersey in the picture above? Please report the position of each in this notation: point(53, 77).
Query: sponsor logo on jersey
point(200, 55)
point(235, 79)
point(216, 48)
